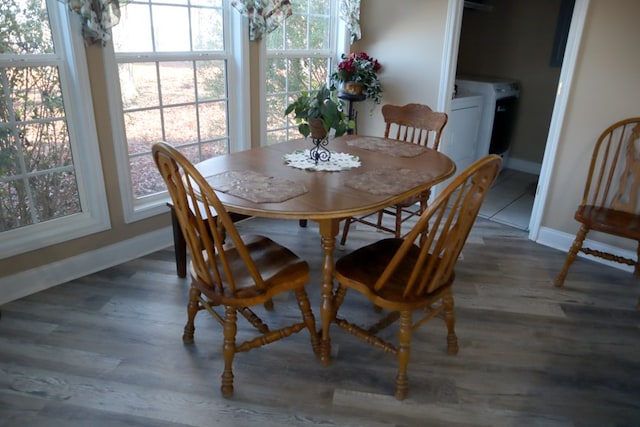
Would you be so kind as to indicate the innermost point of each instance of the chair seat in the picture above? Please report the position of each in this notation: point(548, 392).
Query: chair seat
point(361, 269)
point(280, 268)
point(619, 223)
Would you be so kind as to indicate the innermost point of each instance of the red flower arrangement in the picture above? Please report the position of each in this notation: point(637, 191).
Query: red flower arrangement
point(359, 68)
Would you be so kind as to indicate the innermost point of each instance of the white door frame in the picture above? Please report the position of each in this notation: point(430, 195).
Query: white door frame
point(448, 73)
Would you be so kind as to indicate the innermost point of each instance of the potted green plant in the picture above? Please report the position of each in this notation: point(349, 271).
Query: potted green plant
point(316, 113)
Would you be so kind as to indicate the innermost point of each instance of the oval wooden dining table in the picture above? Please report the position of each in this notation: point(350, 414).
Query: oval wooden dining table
point(326, 197)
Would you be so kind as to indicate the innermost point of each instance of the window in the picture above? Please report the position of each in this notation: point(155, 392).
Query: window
point(51, 187)
point(174, 66)
point(299, 57)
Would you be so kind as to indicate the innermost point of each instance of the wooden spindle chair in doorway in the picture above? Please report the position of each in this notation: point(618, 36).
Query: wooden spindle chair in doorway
point(610, 202)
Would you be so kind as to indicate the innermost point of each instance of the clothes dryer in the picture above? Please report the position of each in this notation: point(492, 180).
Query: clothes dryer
point(499, 112)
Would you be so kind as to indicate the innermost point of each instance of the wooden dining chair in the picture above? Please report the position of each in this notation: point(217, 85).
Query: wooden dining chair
point(416, 273)
point(610, 202)
point(230, 272)
point(416, 123)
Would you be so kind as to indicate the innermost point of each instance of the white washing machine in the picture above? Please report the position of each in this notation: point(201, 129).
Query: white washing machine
point(499, 112)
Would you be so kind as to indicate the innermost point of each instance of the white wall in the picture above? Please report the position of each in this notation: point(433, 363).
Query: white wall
point(514, 40)
point(606, 88)
point(407, 37)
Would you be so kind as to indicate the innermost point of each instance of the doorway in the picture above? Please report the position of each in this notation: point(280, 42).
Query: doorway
point(511, 41)
point(551, 130)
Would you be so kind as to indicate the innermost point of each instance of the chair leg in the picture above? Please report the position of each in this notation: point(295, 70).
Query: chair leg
point(309, 319)
point(398, 221)
point(338, 299)
point(179, 245)
point(450, 321)
point(424, 200)
point(636, 270)
point(380, 215)
point(192, 309)
point(345, 231)
point(571, 256)
point(404, 349)
point(228, 350)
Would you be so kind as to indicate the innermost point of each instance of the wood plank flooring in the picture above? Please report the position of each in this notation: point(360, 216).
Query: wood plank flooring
point(106, 350)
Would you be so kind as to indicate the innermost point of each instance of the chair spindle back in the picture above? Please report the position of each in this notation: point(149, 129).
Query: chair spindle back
point(415, 123)
point(442, 230)
point(205, 223)
point(614, 173)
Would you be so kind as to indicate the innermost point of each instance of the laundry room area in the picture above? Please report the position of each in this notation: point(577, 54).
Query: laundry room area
point(509, 61)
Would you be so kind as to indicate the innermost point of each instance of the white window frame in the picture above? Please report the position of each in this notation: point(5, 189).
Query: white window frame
point(337, 45)
point(76, 92)
point(237, 44)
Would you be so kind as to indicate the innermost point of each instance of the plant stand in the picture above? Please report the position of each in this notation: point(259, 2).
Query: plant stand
point(352, 115)
point(320, 152)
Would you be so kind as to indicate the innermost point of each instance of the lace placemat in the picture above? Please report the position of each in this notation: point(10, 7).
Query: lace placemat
point(256, 187)
point(338, 161)
point(388, 181)
point(390, 147)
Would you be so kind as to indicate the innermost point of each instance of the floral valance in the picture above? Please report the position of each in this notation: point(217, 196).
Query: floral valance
point(97, 17)
point(350, 13)
point(264, 15)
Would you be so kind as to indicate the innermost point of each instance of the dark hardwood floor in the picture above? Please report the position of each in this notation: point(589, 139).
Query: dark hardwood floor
point(106, 350)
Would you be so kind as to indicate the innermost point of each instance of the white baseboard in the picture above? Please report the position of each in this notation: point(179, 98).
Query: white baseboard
point(31, 281)
point(523, 165)
point(562, 241)
point(40, 278)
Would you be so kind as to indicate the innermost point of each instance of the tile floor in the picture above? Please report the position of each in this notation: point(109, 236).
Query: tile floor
point(510, 200)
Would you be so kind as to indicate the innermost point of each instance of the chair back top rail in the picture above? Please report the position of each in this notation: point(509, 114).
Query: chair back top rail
point(415, 123)
point(614, 172)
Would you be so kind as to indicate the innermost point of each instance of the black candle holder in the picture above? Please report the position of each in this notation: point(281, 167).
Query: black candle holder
point(319, 152)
